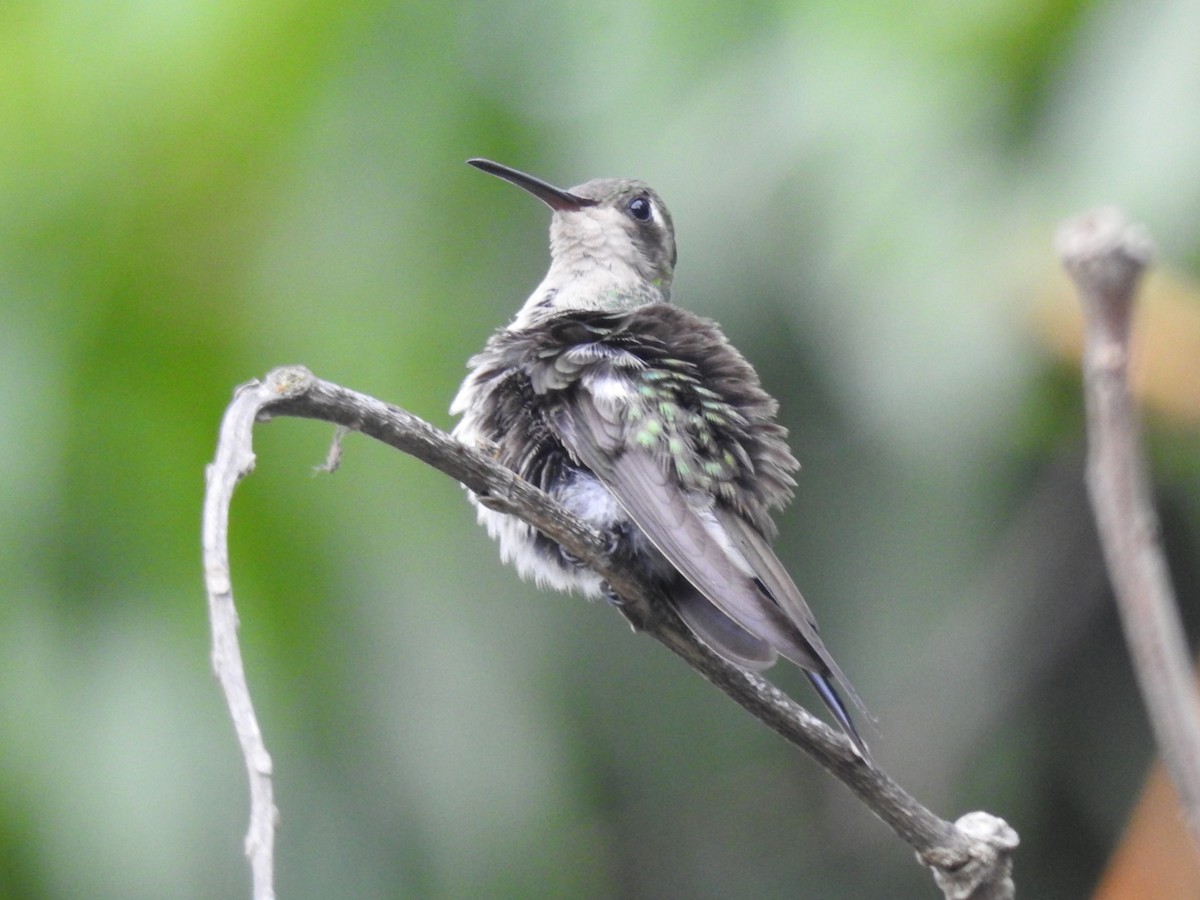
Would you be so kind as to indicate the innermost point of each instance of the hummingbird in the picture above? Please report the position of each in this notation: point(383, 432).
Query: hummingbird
point(642, 419)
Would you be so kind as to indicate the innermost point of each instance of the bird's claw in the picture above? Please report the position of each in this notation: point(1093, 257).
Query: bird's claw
point(611, 597)
point(495, 502)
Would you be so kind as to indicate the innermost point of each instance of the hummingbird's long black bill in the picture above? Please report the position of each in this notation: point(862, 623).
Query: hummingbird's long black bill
point(555, 198)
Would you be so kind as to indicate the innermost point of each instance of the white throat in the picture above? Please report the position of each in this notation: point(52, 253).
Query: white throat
point(594, 266)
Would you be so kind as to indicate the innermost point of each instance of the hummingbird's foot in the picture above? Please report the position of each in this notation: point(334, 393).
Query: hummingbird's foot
point(611, 597)
point(630, 612)
point(618, 537)
point(621, 605)
point(613, 539)
point(570, 560)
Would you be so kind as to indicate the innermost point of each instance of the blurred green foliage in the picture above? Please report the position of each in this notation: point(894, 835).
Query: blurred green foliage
point(193, 193)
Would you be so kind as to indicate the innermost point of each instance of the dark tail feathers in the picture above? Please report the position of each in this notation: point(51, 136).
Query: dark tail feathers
point(824, 687)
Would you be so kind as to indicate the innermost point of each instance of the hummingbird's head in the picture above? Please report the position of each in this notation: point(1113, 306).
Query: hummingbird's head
point(620, 218)
point(613, 234)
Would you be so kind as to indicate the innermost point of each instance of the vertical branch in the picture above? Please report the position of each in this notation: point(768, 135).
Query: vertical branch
point(234, 460)
point(1105, 257)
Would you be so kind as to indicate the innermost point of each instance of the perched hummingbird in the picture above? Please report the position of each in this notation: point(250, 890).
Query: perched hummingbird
point(642, 419)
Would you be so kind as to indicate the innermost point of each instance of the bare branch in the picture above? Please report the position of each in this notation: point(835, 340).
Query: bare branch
point(971, 860)
point(1105, 257)
point(235, 460)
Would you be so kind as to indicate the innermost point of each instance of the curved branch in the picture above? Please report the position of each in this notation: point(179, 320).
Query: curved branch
point(1105, 256)
point(234, 461)
point(971, 860)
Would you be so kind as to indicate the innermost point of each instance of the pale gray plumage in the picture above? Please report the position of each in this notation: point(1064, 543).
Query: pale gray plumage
point(644, 420)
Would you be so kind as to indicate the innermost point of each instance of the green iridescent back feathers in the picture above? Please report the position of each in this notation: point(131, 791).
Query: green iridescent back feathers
point(700, 408)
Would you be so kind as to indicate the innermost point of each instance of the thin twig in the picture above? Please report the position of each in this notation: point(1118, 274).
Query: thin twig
point(235, 460)
point(1105, 257)
point(971, 860)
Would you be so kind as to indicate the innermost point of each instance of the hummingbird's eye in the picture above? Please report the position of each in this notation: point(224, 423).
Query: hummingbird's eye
point(640, 209)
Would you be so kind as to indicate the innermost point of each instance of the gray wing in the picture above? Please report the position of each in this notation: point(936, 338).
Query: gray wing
point(779, 584)
point(729, 569)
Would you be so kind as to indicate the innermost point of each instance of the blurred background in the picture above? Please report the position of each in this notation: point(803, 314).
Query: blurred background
point(865, 196)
